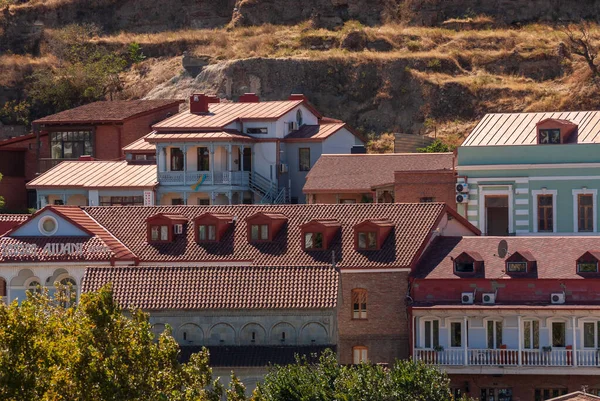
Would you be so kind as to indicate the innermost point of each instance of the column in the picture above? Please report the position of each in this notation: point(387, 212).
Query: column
point(229, 167)
point(212, 165)
point(520, 339)
point(184, 164)
point(230, 195)
point(574, 352)
point(64, 199)
point(464, 340)
point(242, 158)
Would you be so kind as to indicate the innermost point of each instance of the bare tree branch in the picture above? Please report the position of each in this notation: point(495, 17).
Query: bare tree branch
point(581, 43)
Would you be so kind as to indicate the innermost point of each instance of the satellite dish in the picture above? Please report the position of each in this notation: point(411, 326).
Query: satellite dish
point(502, 248)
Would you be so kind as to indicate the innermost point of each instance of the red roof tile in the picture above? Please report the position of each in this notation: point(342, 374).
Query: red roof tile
point(555, 257)
point(8, 221)
point(361, 172)
point(413, 225)
point(222, 287)
point(96, 174)
point(107, 111)
point(222, 114)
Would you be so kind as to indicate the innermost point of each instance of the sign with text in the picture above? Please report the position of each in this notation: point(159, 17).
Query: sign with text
point(52, 249)
point(148, 198)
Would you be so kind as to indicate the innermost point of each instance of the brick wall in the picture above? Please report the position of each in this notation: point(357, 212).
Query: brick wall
point(12, 189)
point(385, 333)
point(523, 386)
point(412, 186)
point(136, 128)
point(330, 198)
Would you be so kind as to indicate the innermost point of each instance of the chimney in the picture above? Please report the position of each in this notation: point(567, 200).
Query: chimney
point(249, 98)
point(297, 96)
point(199, 102)
point(86, 158)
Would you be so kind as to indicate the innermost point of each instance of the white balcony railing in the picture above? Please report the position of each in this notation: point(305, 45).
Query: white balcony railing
point(238, 178)
point(509, 357)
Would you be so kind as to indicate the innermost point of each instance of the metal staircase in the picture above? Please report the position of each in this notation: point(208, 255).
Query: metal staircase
point(267, 190)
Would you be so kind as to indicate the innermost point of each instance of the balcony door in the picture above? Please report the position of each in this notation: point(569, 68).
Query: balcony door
point(559, 334)
point(531, 334)
point(494, 334)
point(247, 159)
point(431, 333)
point(591, 335)
point(496, 212)
point(203, 157)
point(176, 159)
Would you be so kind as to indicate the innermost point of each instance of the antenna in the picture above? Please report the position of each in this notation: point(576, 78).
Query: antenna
point(502, 249)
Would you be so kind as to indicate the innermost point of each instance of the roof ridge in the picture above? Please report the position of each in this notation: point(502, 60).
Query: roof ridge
point(109, 234)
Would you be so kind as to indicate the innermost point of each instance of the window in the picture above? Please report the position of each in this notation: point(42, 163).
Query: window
point(203, 159)
point(347, 200)
point(121, 201)
point(494, 334)
point(59, 202)
point(587, 267)
point(71, 145)
point(550, 136)
point(359, 304)
point(456, 392)
point(585, 212)
point(456, 334)
point(256, 130)
point(48, 225)
point(259, 232)
point(299, 120)
point(313, 240)
point(464, 267)
point(203, 201)
point(541, 394)
point(559, 334)
point(177, 201)
point(207, 233)
point(144, 157)
point(516, 267)
point(34, 286)
point(176, 159)
point(432, 333)
point(359, 355)
point(496, 394)
point(591, 335)
point(304, 159)
point(531, 334)
point(367, 240)
point(427, 200)
point(159, 233)
point(545, 213)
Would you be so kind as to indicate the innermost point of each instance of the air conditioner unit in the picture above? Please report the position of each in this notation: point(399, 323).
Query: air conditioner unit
point(292, 126)
point(467, 298)
point(462, 188)
point(178, 228)
point(489, 298)
point(462, 198)
point(283, 168)
point(557, 298)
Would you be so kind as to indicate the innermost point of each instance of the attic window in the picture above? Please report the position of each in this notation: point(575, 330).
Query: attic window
point(264, 227)
point(371, 234)
point(549, 136)
point(516, 267)
point(163, 227)
point(160, 233)
point(317, 234)
point(464, 267)
point(210, 227)
point(468, 263)
point(313, 240)
point(588, 262)
point(521, 262)
point(257, 130)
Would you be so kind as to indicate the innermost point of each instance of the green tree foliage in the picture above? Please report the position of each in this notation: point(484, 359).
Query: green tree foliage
point(328, 381)
point(136, 55)
point(51, 349)
point(436, 146)
point(13, 112)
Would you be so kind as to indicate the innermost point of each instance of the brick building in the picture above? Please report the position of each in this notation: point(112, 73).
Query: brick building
point(382, 178)
point(99, 129)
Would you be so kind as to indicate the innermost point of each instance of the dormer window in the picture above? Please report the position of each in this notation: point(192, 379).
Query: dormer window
point(468, 263)
point(371, 234)
point(588, 262)
point(554, 131)
point(210, 227)
point(550, 136)
point(317, 234)
point(164, 227)
point(263, 227)
point(521, 262)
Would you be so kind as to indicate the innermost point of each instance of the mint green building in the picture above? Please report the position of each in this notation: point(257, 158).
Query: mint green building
point(531, 173)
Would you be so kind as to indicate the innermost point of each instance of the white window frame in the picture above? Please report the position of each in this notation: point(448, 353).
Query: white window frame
point(483, 192)
point(522, 328)
point(363, 354)
point(596, 322)
point(495, 320)
point(549, 323)
point(534, 206)
point(576, 193)
point(462, 333)
point(422, 330)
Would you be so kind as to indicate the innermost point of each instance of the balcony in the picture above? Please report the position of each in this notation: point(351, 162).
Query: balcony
point(229, 178)
point(509, 357)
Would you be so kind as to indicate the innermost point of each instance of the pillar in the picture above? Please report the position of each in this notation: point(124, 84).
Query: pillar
point(574, 356)
point(520, 339)
point(184, 165)
point(464, 339)
point(212, 166)
point(242, 158)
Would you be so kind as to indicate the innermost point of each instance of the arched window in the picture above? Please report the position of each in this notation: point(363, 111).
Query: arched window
point(299, 118)
point(359, 303)
point(34, 286)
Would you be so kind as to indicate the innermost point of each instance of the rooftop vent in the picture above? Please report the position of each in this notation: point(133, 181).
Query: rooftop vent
point(249, 98)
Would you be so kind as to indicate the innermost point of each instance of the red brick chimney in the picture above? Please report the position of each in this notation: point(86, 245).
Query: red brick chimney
point(86, 158)
point(297, 96)
point(199, 102)
point(249, 98)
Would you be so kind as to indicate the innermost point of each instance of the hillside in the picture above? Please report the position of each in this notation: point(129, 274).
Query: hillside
point(403, 67)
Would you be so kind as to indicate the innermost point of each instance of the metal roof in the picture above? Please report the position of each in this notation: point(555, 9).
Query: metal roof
point(222, 114)
point(221, 135)
point(520, 128)
point(140, 146)
point(96, 174)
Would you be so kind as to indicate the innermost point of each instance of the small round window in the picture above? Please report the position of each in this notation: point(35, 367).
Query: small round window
point(48, 225)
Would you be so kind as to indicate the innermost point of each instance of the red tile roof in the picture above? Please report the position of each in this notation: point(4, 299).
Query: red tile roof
point(222, 287)
point(222, 114)
point(361, 172)
point(555, 257)
point(107, 111)
point(96, 174)
point(521, 129)
point(221, 135)
point(413, 225)
point(8, 221)
point(140, 146)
